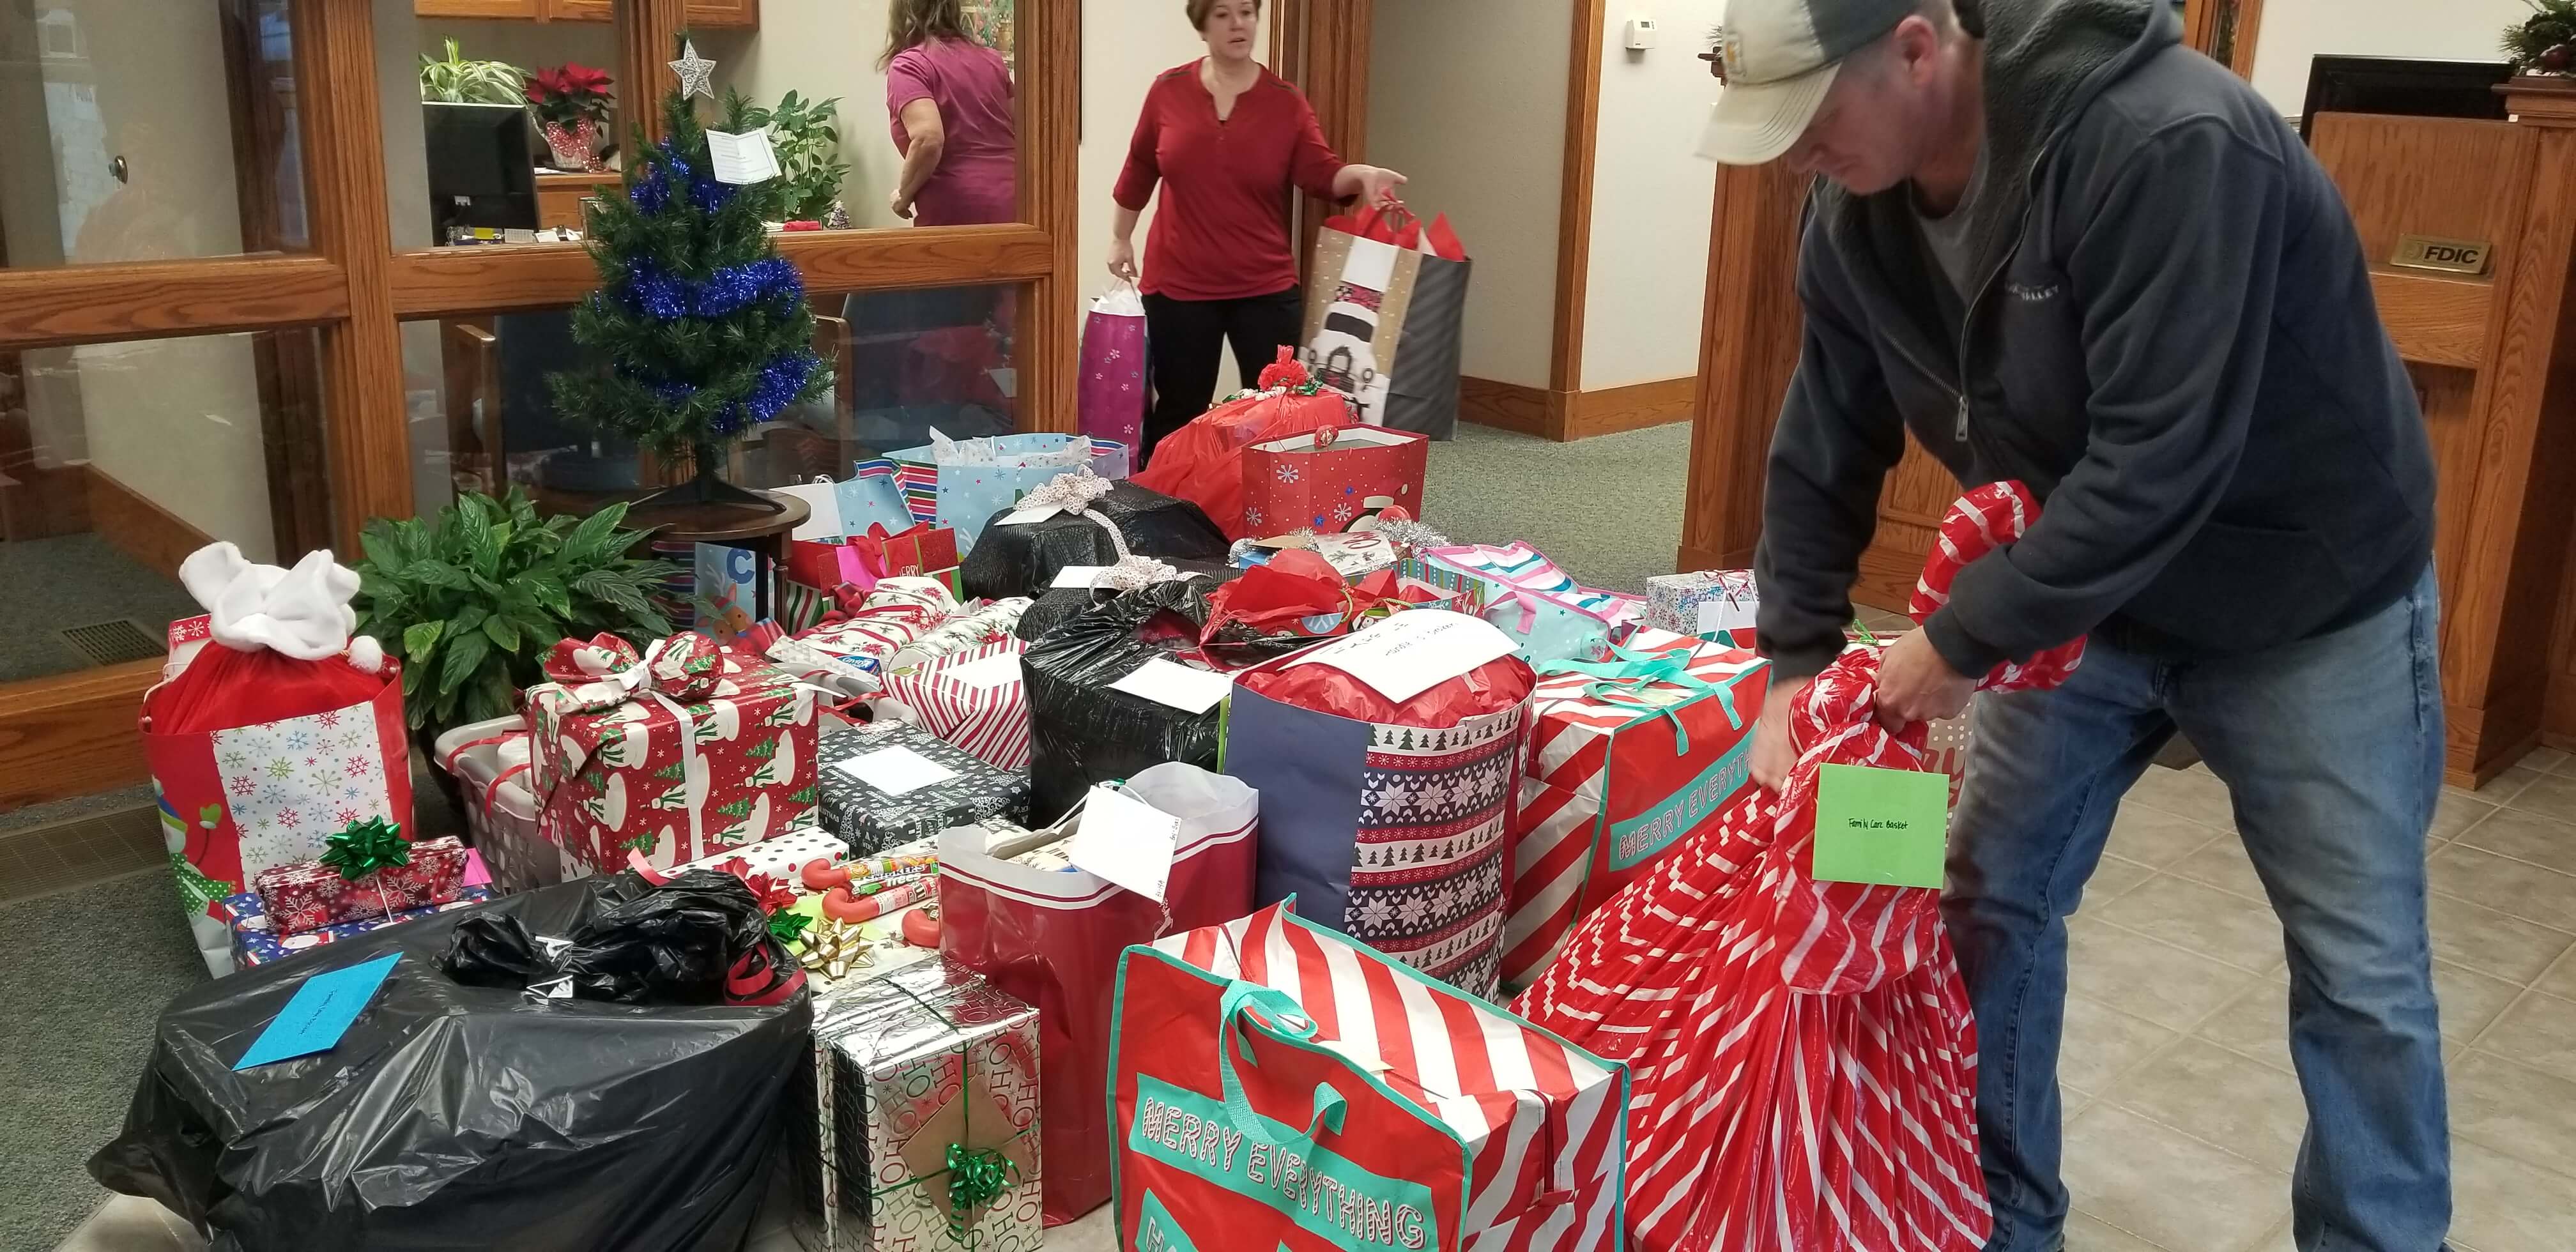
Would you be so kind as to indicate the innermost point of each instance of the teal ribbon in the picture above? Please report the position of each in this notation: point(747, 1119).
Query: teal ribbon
point(1631, 668)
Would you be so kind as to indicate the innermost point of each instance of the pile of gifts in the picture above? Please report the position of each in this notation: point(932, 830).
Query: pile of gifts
point(1250, 830)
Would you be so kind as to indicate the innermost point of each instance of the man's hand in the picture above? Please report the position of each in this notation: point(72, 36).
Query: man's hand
point(1773, 754)
point(1916, 685)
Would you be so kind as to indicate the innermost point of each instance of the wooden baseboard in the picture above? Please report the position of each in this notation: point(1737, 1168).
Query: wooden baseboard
point(1564, 416)
point(130, 522)
point(74, 734)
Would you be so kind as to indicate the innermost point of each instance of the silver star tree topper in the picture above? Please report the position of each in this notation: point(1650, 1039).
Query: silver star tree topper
point(695, 72)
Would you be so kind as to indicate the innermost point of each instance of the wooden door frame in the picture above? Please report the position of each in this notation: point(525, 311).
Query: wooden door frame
point(75, 733)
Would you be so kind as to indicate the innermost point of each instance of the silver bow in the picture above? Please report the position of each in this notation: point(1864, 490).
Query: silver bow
point(1135, 573)
point(1074, 493)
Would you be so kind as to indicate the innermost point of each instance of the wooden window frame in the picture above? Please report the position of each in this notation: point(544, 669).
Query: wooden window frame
point(75, 733)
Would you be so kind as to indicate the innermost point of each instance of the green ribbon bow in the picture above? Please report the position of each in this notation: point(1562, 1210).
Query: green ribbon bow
point(1632, 668)
point(786, 927)
point(975, 1177)
point(365, 847)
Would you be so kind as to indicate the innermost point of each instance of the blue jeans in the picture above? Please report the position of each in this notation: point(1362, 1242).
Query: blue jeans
point(2332, 751)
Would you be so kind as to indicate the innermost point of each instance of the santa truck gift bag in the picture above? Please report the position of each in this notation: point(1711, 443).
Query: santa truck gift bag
point(1399, 750)
point(280, 731)
point(1276, 1086)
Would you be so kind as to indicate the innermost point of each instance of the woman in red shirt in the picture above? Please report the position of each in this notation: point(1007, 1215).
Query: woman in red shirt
point(1228, 140)
point(948, 101)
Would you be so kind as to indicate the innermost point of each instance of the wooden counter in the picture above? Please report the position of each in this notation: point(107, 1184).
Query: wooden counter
point(2493, 358)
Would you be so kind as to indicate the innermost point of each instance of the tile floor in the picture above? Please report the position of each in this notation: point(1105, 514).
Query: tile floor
point(2182, 1112)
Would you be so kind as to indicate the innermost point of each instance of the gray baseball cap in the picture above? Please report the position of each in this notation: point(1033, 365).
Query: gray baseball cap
point(1777, 59)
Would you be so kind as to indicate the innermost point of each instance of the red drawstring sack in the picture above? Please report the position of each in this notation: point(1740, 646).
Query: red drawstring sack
point(1202, 462)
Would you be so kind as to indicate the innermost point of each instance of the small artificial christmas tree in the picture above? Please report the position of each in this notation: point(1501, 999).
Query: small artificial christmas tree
point(704, 326)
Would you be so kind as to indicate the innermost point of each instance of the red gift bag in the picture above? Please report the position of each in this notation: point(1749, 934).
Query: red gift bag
point(278, 732)
point(1202, 461)
point(1327, 480)
point(1054, 936)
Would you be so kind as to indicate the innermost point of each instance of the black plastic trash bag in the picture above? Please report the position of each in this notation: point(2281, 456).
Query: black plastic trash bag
point(455, 1115)
point(1024, 560)
point(1056, 607)
point(700, 938)
point(1081, 732)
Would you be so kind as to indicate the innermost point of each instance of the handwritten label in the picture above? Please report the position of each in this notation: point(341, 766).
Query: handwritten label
point(1412, 652)
point(320, 1011)
point(1884, 826)
point(1126, 841)
point(1176, 685)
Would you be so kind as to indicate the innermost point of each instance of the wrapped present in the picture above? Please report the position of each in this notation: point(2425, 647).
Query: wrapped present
point(961, 482)
point(678, 752)
point(1326, 480)
point(801, 606)
point(1052, 934)
point(256, 940)
point(1704, 602)
point(1354, 556)
point(975, 699)
point(366, 870)
point(1399, 834)
point(278, 730)
point(1627, 758)
point(864, 630)
point(923, 1132)
point(1202, 462)
point(871, 819)
point(491, 759)
point(1060, 604)
point(780, 858)
point(1514, 586)
point(1423, 1118)
point(967, 628)
point(1094, 522)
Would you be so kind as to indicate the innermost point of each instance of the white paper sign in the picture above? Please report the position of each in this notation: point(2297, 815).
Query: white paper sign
point(1078, 575)
point(824, 523)
point(1723, 613)
point(1183, 688)
point(1413, 651)
point(896, 771)
point(741, 159)
point(1022, 517)
point(998, 670)
point(1126, 841)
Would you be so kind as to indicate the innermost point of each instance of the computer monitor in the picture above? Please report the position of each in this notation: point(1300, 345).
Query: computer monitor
point(2349, 84)
point(482, 169)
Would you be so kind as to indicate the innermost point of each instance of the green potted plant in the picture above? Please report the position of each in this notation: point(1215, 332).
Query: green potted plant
point(806, 135)
point(2545, 42)
point(473, 601)
point(573, 107)
point(459, 81)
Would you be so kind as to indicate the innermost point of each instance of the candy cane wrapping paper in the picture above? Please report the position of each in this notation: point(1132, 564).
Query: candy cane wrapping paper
point(1804, 1059)
point(1441, 1123)
point(1618, 773)
point(989, 720)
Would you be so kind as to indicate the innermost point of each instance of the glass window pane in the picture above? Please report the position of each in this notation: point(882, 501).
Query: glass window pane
point(119, 459)
point(147, 132)
point(472, 160)
point(899, 363)
point(830, 51)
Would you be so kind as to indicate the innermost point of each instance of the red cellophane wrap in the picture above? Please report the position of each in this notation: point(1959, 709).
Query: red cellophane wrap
point(1202, 462)
point(1803, 1062)
point(309, 895)
point(1392, 223)
point(1299, 594)
point(1492, 687)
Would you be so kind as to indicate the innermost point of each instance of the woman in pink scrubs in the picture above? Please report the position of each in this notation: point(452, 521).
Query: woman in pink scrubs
point(948, 101)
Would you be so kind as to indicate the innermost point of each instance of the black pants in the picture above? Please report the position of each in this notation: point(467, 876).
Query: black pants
point(1183, 337)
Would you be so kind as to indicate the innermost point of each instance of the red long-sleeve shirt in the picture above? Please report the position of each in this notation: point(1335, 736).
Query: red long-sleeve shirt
point(1222, 233)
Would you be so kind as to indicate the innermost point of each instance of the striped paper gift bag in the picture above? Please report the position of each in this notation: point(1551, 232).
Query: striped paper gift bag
point(1275, 1085)
point(974, 699)
point(1626, 758)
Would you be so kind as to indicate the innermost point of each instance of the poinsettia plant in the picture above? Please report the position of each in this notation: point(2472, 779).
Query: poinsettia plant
point(570, 94)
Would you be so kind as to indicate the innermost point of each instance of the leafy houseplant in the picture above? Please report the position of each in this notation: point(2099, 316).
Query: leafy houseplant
point(806, 134)
point(2545, 42)
point(475, 600)
point(459, 81)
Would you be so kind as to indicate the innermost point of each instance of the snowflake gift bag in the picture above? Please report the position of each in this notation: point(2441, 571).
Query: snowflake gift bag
point(678, 752)
point(1327, 480)
point(280, 731)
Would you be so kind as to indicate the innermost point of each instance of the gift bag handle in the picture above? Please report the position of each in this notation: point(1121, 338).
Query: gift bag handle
point(1251, 1002)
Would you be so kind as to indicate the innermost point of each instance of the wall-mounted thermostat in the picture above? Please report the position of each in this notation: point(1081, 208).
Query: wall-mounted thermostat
point(1642, 33)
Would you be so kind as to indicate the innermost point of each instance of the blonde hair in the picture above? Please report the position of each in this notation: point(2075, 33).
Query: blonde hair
point(1198, 11)
point(912, 23)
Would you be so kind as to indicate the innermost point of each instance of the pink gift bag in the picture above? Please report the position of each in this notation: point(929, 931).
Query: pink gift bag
point(1111, 399)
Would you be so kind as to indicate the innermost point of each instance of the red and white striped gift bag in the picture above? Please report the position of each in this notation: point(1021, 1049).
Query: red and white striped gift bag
point(1277, 1085)
point(1628, 758)
point(985, 717)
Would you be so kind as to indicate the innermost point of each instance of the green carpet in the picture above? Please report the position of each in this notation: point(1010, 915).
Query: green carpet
point(85, 977)
point(74, 580)
point(1607, 509)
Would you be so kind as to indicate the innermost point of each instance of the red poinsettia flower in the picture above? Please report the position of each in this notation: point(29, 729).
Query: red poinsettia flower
point(569, 94)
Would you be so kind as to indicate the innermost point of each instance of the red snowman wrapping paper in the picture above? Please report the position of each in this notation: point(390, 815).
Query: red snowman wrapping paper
point(309, 895)
point(683, 751)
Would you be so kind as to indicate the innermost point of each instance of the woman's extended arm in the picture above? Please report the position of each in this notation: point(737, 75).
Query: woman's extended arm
point(924, 139)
